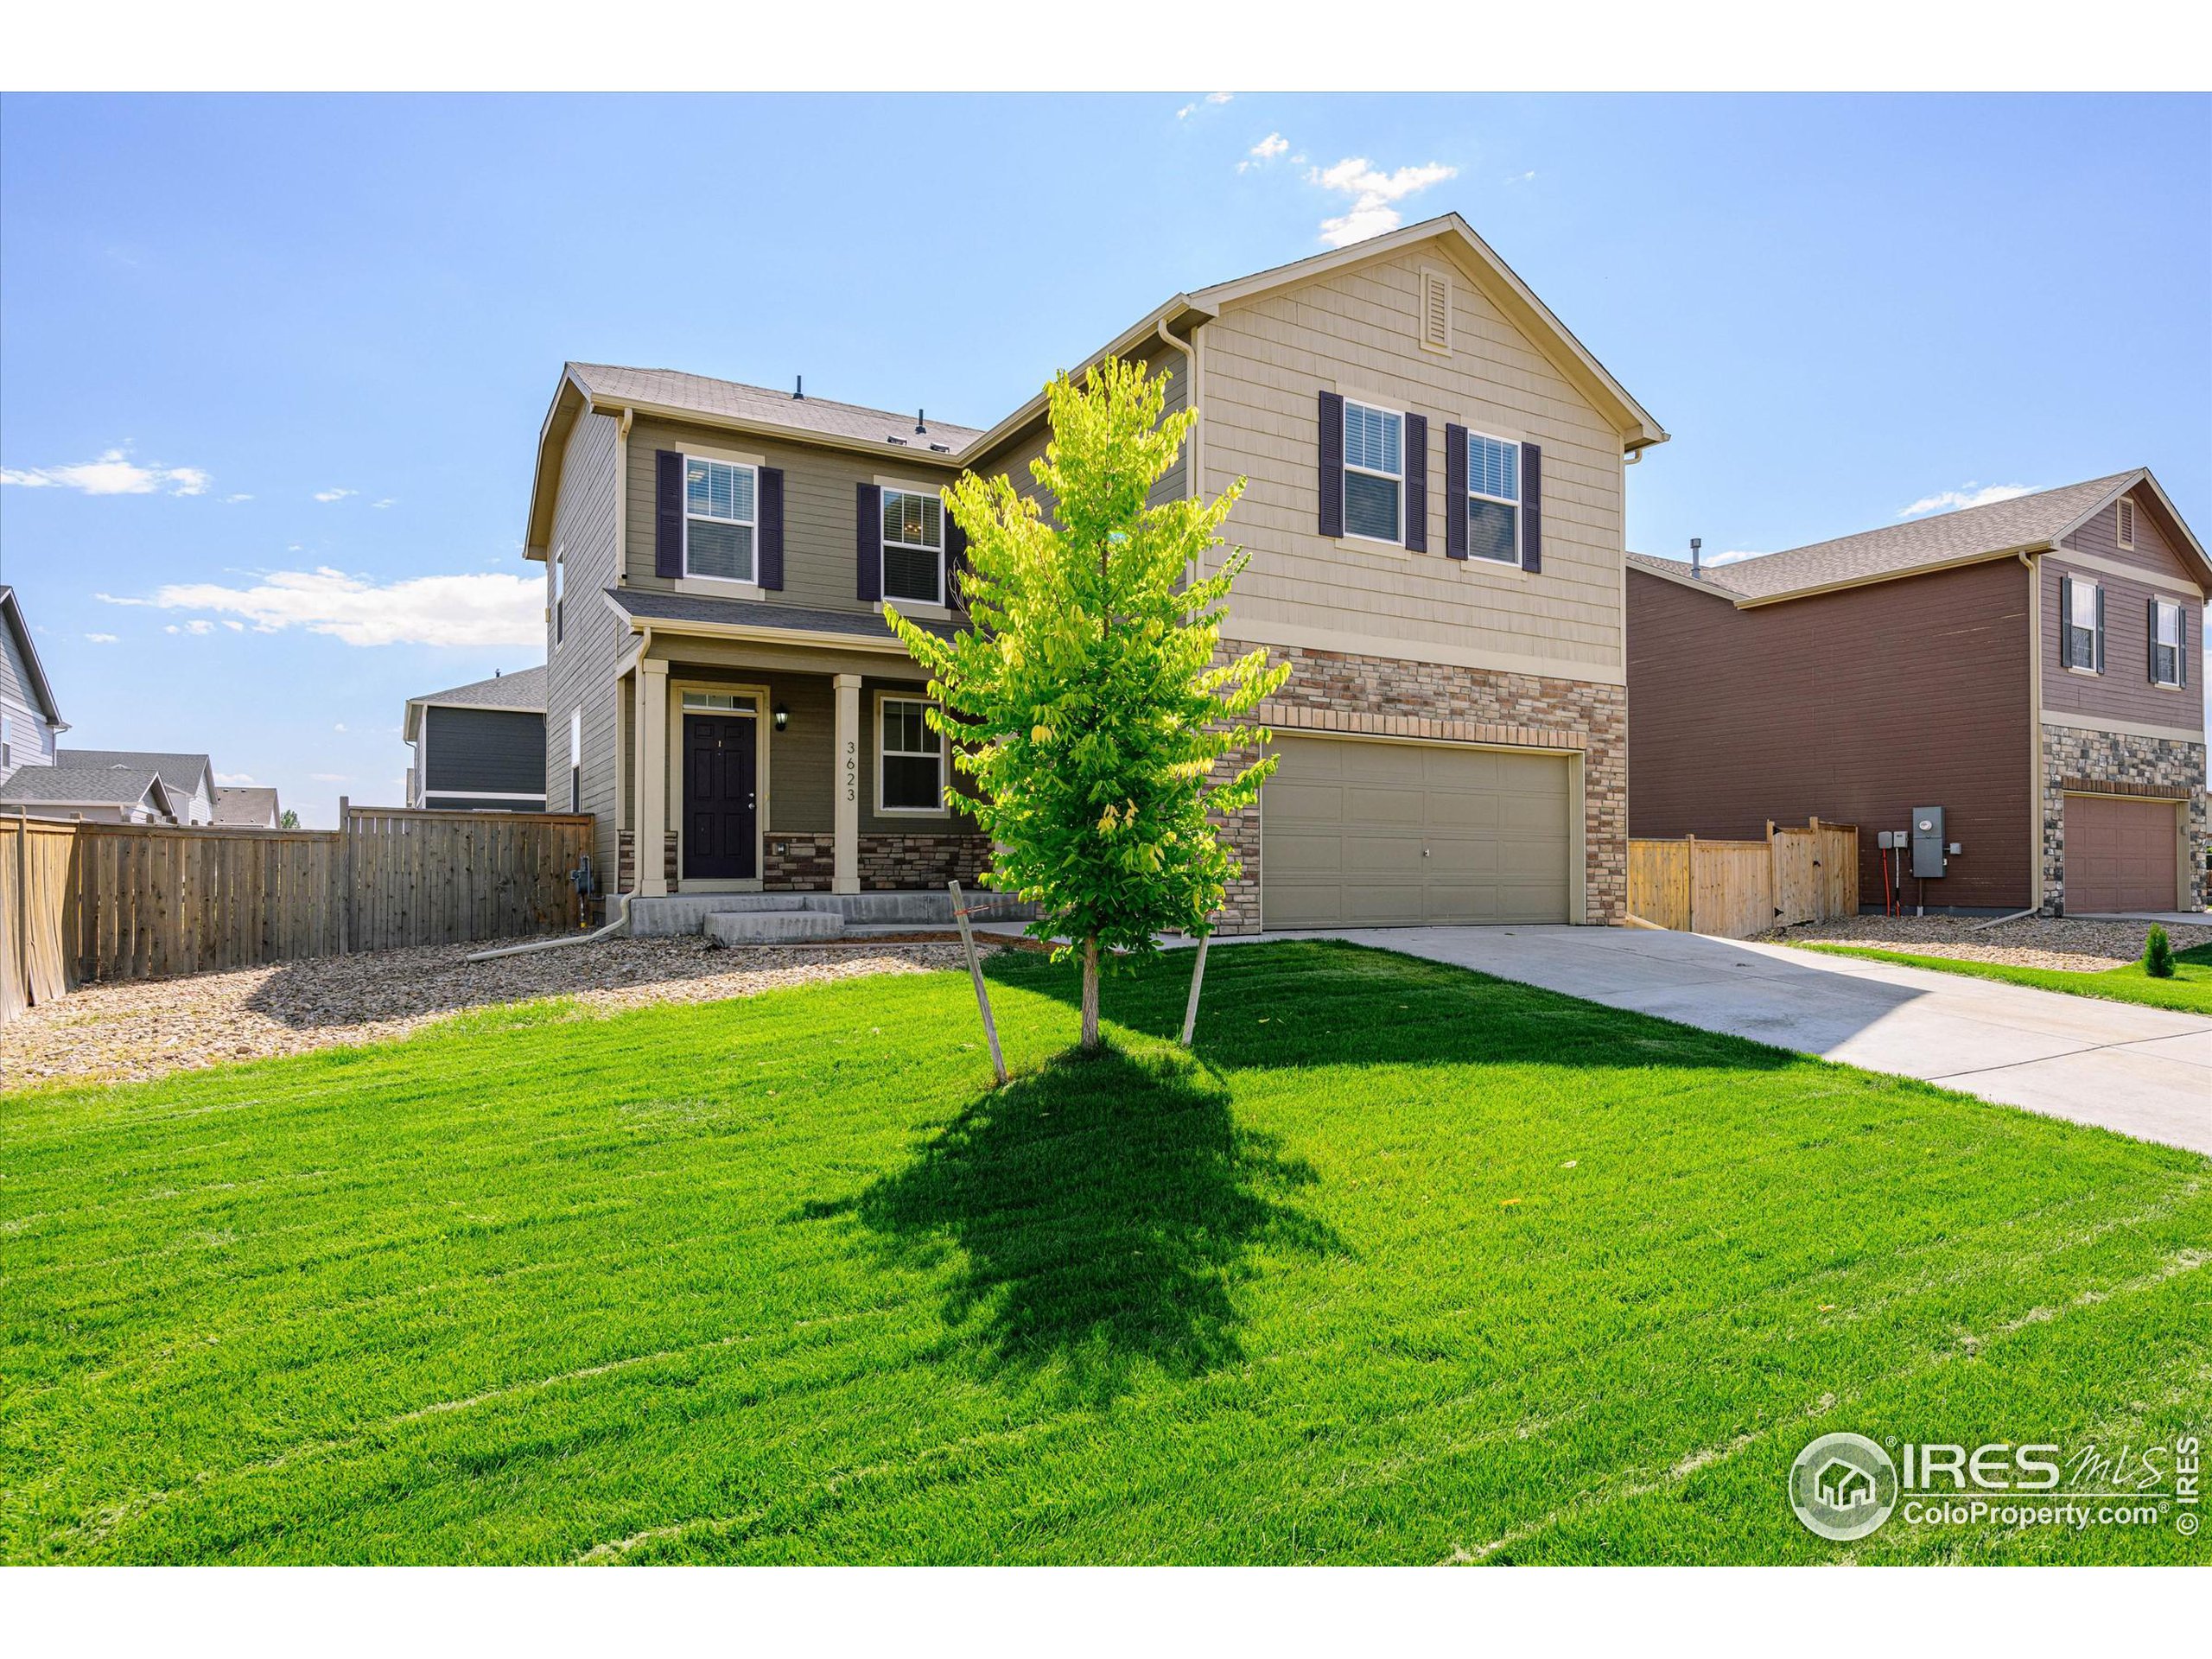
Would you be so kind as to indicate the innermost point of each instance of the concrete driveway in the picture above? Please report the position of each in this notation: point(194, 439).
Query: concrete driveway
point(2145, 1073)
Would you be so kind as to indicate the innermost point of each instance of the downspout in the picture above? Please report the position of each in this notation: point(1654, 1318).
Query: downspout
point(1192, 475)
point(2035, 729)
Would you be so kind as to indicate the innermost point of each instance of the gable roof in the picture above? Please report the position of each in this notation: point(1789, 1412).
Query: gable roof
point(247, 803)
point(182, 774)
point(731, 401)
point(2027, 524)
point(520, 692)
point(11, 618)
point(77, 784)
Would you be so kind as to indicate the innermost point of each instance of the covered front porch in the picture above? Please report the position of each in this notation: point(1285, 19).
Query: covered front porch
point(758, 763)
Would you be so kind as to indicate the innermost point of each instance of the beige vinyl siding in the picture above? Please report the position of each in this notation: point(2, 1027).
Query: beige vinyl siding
point(580, 671)
point(819, 501)
point(1356, 331)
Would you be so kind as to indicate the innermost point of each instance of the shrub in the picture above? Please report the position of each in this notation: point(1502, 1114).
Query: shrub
point(2158, 953)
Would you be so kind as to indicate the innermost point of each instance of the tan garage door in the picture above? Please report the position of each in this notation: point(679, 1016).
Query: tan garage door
point(2120, 855)
point(1386, 834)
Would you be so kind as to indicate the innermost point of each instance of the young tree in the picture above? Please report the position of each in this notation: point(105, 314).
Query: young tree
point(1084, 698)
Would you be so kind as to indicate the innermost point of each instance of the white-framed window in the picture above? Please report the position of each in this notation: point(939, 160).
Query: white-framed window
point(913, 546)
point(2082, 609)
point(2166, 643)
point(910, 758)
point(719, 703)
point(2126, 528)
point(575, 759)
point(1375, 473)
point(1493, 499)
point(6, 741)
point(560, 569)
point(720, 508)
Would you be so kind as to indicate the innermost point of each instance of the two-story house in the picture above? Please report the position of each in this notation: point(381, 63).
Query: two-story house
point(30, 720)
point(189, 781)
point(2031, 667)
point(1435, 473)
point(480, 748)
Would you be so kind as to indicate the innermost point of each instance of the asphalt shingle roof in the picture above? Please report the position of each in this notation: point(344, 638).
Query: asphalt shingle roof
point(731, 400)
point(244, 804)
point(1945, 538)
point(181, 774)
point(78, 784)
point(524, 688)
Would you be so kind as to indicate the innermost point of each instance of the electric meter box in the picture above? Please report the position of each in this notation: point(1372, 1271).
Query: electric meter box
point(1927, 841)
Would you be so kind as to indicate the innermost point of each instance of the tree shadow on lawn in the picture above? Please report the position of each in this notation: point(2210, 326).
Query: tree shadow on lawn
point(1098, 1216)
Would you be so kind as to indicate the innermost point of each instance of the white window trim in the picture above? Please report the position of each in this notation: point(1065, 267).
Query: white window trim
point(2067, 625)
point(2165, 607)
point(1520, 559)
point(943, 763)
point(2123, 524)
point(1397, 478)
point(752, 524)
point(884, 493)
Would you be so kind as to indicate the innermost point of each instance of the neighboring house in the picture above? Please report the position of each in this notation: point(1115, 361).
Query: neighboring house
point(189, 780)
point(480, 748)
point(2031, 667)
point(1433, 513)
point(97, 794)
point(247, 807)
point(29, 719)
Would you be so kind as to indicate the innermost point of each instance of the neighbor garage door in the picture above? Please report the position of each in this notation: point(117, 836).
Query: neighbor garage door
point(2120, 855)
point(1386, 834)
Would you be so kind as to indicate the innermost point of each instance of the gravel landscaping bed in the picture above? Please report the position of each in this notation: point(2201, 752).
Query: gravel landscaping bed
point(2033, 942)
point(150, 1028)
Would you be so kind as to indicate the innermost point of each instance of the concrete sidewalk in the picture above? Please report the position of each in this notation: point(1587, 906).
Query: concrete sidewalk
point(2145, 1072)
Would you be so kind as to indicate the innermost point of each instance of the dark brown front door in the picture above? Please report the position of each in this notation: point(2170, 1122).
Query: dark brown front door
point(719, 812)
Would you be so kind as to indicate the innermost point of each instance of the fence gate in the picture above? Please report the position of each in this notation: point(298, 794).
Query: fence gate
point(1737, 888)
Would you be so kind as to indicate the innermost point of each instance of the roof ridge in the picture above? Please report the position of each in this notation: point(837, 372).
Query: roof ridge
point(768, 392)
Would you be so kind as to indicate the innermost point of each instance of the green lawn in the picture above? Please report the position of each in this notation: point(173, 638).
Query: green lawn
point(1408, 1265)
point(2188, 990)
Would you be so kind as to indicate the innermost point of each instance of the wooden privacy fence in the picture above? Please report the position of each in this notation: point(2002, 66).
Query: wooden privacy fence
point(83, 902)
point(1737, 888)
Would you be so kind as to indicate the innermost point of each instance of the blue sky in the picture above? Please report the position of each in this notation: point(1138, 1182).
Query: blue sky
point(247, 340)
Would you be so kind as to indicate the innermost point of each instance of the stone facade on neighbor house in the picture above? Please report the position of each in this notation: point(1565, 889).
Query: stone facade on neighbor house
point(719, 554)
point(2077, 762)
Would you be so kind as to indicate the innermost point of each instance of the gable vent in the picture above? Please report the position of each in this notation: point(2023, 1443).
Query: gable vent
point(2126, 522)
point(1436, 311)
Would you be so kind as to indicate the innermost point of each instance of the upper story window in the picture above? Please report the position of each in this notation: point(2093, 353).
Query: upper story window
point(913, 547)
point(2166, 643)
point(560, 617)
point(911, 778)
point(1493, 499)
point(719, 519)
point(2126, 522)
point(1375, 473)
point(2085, 611)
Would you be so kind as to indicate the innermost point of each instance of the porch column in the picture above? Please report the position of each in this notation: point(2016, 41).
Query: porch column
point(652, 778)
point(845, 872)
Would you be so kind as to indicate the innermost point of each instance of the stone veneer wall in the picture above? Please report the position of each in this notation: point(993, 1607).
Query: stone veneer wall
point(1382, 696)
point(2165, 765)
point(801, 863)
point(914, 863)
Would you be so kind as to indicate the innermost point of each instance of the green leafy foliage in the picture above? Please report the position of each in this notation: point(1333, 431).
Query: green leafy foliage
point(2158, 953)
point(1086, 699)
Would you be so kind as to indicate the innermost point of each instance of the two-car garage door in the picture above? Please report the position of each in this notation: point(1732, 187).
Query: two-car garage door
point(1389, 834)
point(2120, 855)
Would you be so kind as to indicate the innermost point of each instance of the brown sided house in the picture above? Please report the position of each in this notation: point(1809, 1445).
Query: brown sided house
point(2032, 667)
point(1433, 513)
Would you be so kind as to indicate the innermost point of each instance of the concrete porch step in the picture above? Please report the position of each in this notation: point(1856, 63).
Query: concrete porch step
point(688, 912)
point(773, 926)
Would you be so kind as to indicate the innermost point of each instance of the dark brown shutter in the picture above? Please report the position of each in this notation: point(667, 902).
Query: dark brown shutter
point(1332, 464)
point(867, 542)
point(1417, 483)
point(668, 513)
point(955, 557)
point(2066, 621)
point(1455, 491)
point(770, 562)
point(1532, 507)
point(2099, 663)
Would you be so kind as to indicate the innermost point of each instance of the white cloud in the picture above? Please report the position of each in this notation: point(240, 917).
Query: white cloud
point(1521, 178)
point(486, 609)
point(1734, 556)
point(339, 727)
point(237, 498)
point(333, 495)
point(1374, 194)
point(1972, 496)
point(1193, 108)
point(1219, 97)
point(101, 639)
point(234, 625)
point(113, 474)
point(1264, 152)
point(389, 501)
point(198, 624)
point(236, 779)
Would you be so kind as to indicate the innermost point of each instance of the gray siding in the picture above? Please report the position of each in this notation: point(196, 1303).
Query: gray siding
point(580, 669)
point(485, 750)
point(29, 735)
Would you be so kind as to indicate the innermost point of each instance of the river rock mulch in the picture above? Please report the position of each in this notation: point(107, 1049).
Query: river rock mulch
point(146, 1029)
point(2084, 947)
